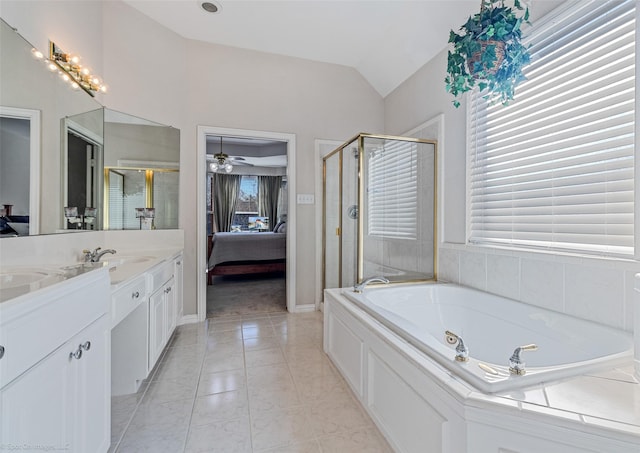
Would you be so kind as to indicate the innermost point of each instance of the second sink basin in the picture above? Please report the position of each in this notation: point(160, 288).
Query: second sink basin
point(133, 259)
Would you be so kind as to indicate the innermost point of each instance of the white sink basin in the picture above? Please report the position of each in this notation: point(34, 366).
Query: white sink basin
point(136, 259)
point(132, 259)
point(18, 281)
point(26, 277)
point(123, 267)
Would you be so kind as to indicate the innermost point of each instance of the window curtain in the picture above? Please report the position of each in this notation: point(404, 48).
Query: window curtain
point(268, 192)
point(225, 189)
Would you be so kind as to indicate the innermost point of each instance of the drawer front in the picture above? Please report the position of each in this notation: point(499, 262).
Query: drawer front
point(56, 316)
point(127, 299)
point(159, 275)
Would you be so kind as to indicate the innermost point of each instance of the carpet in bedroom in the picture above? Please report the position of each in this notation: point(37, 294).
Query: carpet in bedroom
point(246, 295)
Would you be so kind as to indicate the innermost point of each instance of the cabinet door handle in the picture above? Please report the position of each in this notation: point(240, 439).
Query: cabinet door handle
point(168, 290)
point(76, 355)
point(1, 352)
point(86, 345)
point(135, 295)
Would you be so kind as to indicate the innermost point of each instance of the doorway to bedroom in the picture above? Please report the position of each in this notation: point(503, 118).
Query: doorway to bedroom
point(247, 211)
point(247, 201)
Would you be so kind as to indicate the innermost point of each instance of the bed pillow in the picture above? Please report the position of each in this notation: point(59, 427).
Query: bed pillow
point(282, 228)
point(275, 228)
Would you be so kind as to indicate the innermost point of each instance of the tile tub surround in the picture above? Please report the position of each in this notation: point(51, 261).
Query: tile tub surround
point(595, 289)
point(254, 383)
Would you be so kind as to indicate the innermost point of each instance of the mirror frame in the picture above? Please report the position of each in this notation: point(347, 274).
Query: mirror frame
point(33, 116)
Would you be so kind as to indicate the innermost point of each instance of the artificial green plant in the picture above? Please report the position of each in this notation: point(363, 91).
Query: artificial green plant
point(488, 52)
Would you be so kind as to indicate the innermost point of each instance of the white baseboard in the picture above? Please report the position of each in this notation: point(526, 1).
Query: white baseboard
point(188, 319)
point(305, 308)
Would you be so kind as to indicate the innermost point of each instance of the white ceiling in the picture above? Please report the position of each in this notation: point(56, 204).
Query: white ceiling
point(385, 40)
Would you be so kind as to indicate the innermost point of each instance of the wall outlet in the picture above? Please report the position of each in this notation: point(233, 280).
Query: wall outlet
point(306, 198)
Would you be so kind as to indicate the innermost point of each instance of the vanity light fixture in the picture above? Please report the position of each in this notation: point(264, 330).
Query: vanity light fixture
point(71, 70)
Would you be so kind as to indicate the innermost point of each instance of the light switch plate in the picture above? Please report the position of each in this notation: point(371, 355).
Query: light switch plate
point(306, 198)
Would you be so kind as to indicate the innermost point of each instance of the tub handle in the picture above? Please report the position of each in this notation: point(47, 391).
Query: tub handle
point(462, 353)
point(516, 365)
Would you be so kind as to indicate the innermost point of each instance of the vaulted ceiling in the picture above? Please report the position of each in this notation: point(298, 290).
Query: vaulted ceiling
point(385, 40)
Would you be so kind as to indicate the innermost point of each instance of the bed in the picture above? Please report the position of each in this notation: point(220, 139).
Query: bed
point(246, 253)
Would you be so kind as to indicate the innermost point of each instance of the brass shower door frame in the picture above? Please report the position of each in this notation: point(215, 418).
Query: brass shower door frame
point(360, 139)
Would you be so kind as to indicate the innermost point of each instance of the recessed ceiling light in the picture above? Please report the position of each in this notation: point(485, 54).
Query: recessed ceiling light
point(210, 7)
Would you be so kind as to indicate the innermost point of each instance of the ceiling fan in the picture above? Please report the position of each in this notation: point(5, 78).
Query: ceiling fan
point(223, 163)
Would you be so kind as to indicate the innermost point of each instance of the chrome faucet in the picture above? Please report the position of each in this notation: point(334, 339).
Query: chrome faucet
point(516, 365)
point(360, 287)
point(94, 256)
point(462, 353)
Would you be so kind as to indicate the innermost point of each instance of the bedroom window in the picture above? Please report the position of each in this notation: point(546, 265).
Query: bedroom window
point(247, 204)
point(555, 169)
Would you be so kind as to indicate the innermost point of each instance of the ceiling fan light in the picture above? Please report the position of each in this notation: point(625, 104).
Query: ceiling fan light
point(213, 166)
point(228, 167)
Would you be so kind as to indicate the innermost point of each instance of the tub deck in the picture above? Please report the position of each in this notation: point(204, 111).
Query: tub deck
point(417, 402)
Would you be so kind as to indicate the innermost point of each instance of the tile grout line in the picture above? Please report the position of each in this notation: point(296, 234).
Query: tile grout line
point(195, 395)
point(246, 387)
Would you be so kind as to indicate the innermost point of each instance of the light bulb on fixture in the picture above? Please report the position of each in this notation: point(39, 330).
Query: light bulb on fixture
point(73, 71)
point(228, 167)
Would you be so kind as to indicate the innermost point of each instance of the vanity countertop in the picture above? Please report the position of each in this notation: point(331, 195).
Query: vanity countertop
point(131, 263)
point(19, 281)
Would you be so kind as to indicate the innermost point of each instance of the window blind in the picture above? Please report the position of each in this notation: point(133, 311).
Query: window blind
point(393, 190)
point(555, 168)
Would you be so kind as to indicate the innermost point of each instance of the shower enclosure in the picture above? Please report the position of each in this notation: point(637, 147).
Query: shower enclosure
point(379, 206)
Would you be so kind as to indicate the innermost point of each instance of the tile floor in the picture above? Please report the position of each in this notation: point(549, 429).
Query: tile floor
point(245, 383)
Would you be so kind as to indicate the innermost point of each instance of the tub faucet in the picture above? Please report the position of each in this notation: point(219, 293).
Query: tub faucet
point(94, 256)
point(462, 353)
point(516, 365)
point(360, 287)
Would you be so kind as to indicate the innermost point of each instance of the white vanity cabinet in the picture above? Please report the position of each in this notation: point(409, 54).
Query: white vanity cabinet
point(58, 398)
point(161, 315)
point(145, 312)
point(164, 304)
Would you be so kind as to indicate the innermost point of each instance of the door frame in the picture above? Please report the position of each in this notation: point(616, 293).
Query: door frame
point(201, 214)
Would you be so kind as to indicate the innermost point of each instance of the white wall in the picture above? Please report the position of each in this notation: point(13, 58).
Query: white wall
point(600, 290)
point(155, 74)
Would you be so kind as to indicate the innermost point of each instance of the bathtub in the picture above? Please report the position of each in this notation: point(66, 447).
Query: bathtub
point(492, 327)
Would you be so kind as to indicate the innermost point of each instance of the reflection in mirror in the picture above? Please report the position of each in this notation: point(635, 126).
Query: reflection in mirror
point(19, 171)
point(83, 170)
point(73, 155)
point(26, 85)
point(130, 192)
point(141, 163)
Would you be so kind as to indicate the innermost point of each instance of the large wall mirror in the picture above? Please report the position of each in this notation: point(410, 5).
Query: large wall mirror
point(59, 148)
